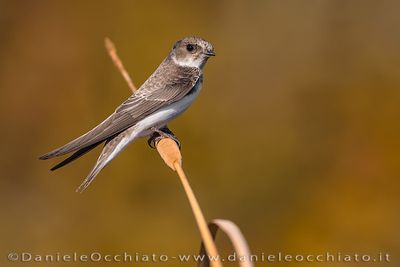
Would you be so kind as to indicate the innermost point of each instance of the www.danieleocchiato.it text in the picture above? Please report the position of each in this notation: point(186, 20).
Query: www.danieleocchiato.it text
point(153, 257)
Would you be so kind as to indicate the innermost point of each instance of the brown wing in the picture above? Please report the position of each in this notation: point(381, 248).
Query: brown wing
point(168, 84)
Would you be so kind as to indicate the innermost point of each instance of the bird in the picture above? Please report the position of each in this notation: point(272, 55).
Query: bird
point(167, 93)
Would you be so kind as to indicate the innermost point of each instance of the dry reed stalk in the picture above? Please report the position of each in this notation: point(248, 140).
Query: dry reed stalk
point(170, 153)
point(235, 236)
point(112, 51)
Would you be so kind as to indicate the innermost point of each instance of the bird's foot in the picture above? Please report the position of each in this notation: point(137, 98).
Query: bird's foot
point(161, 133)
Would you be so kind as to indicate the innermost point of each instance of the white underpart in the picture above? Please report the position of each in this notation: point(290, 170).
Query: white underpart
point(189, 62)
point(158, 119)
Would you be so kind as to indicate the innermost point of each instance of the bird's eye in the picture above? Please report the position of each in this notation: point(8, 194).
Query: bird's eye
point(190, 47)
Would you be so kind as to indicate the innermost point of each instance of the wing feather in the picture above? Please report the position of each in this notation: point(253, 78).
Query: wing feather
point(168, 84)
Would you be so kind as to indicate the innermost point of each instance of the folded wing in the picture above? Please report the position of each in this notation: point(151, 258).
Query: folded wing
point(168, 84)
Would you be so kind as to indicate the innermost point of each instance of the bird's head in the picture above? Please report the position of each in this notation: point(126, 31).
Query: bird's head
point(192, 52)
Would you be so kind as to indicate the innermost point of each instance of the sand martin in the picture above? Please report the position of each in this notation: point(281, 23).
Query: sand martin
point(168, 92)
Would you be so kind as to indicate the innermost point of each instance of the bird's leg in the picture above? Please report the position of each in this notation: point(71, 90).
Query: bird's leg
point(161, 133)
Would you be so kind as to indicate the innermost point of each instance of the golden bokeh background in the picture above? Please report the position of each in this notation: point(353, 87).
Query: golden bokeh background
point(295, 136)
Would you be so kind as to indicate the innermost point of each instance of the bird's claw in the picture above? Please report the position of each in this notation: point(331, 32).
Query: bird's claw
point(161, 133)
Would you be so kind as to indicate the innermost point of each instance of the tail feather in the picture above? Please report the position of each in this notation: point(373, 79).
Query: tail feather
point(111, 149)
point(77, 144)
point(98, 134)
point(75, 156)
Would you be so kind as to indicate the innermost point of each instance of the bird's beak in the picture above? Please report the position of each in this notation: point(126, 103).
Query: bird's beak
point(210, 53)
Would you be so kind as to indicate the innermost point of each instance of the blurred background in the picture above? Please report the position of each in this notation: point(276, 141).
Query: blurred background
point(295, 136)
